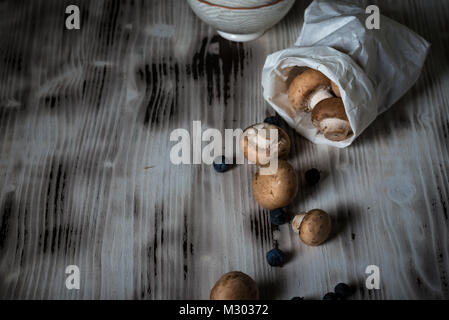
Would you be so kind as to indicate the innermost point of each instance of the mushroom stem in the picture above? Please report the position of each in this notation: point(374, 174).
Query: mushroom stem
point(296, 222)
point(304, 85)
point(260, 137)
point(317, 96)
point(261, 143)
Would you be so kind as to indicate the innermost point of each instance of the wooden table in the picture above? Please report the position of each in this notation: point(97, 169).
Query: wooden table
point(86, 179)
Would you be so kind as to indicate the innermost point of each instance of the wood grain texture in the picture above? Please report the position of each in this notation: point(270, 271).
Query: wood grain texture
point(85, 176)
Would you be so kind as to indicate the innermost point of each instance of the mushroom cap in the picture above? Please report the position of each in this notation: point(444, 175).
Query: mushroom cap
point(304, 85)
point(235, 285)
point(335, 89)
point(315, 227)
point(329, 108)
point(263, 154)
point(329, 116)
point(278, 189)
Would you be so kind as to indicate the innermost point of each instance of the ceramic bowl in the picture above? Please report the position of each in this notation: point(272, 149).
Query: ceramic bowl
point(241, 20)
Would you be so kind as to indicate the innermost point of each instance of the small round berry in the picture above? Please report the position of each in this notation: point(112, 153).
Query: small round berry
point(278, 217)
point(220, 164)
point(332, 296)
point(275, 257)
point(312, 176)
point(273, 120)
point(343, 290)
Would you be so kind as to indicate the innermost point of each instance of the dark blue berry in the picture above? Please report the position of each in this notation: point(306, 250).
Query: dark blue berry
point(275, 257)
point(278, 217)
point(330, 296)
point(343, 290)
point(297, 298)
point(220, 164)
point(333, 296)
point(312, 176)
point(273, 120)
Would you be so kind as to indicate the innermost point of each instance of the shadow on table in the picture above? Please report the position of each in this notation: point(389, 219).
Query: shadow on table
point(345, 216)
point(269, 290)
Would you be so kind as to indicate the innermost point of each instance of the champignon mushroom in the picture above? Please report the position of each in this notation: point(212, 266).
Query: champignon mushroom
point(313, 227)
point(235, 285)
point(335, 89)
point(308, 89)
point(329, 117)
point(260, 146)
point(276, 190)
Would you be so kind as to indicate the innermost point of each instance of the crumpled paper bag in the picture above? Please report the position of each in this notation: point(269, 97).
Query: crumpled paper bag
point(373, 68)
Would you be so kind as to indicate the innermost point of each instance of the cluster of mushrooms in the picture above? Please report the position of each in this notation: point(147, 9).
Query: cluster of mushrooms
point(277, 189)
point(313, 228)
point(272, 191)
point(312, 91)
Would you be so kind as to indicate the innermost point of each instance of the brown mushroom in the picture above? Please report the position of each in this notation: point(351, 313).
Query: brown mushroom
point(235, 285)
point(314, 227)
point(335, 89)
point(329, 117)
point(260, 147)
point(308, 89)
point(276, 190)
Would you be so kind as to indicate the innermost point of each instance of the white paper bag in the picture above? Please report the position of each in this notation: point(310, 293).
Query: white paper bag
point(373, 68)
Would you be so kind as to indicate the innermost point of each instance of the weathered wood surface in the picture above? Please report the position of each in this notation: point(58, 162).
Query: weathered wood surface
point(85, 176)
